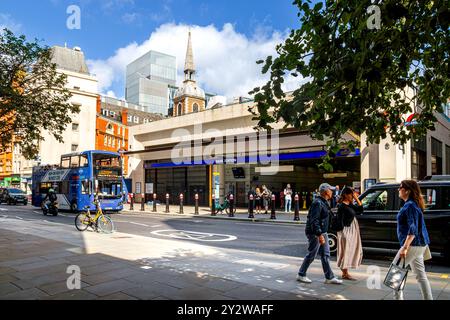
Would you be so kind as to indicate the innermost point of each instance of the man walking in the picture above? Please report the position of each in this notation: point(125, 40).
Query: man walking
point(316, 232)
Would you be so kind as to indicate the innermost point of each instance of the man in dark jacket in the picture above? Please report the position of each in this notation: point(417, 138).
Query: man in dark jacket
point(316, 232)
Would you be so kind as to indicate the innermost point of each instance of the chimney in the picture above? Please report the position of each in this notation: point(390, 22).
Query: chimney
point(99, 105)
point(125, 116)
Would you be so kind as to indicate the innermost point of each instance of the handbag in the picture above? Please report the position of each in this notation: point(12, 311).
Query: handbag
point(396, 276)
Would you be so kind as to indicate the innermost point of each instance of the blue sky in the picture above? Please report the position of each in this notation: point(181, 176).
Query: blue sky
point(110, 25)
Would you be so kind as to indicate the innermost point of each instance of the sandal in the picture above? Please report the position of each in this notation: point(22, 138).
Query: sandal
point(348, 277)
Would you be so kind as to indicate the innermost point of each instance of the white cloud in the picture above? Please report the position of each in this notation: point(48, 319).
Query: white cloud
point(6, 21)
point(111, 94)
point(225, 59)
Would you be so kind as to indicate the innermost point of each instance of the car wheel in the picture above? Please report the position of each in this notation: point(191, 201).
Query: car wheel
point(332, 241)
point(74, 208)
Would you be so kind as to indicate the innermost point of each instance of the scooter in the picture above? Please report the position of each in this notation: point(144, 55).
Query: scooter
point(50, 208)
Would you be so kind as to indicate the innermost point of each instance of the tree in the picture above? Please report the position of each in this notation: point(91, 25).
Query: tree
point(357, 75)
point(33, 96)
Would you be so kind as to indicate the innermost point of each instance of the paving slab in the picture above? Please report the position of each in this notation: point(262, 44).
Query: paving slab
point(107, 288)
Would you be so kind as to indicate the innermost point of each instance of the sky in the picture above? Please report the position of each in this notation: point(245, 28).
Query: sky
point(228, 36)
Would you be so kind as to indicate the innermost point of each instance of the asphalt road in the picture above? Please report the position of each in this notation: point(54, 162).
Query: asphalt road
point(271, 238)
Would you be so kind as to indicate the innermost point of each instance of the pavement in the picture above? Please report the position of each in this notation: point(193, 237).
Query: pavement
point(205, 212)
point(35, 254)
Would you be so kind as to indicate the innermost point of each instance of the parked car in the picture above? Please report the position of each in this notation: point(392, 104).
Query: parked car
point(378, 223)
point(13, 196)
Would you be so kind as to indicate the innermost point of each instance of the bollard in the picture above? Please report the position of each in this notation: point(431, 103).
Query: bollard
point(142, 202)
point(131, 202)
point(196, 204)
point(296, 209)
point(272, 212)
point(213, 206)
point(154, 202)
point(250, 207)
point(181, 203)
point(231, 213)
point(167, 203)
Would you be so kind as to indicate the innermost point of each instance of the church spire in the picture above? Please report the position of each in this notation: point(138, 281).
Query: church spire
point(189, 67)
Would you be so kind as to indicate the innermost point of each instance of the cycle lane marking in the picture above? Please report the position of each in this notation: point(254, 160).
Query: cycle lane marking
point(194, 235)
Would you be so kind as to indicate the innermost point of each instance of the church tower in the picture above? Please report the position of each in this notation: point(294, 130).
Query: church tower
point(189, 98)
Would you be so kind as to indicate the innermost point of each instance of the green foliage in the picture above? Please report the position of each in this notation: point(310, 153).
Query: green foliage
point(33, 97)
point(357, 78)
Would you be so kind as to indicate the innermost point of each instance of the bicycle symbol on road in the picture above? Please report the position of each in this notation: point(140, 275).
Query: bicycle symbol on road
point(193, 235)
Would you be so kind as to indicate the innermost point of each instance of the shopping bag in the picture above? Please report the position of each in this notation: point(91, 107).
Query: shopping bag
point(396, 276)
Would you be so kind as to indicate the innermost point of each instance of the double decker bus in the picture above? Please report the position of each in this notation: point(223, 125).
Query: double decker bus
point(79, 177)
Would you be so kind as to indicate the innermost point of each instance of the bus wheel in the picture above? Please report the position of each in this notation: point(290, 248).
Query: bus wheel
point(74, 208)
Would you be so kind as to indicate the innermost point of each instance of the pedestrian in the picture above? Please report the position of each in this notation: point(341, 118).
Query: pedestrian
point(258, 200)
point(315, 194)
point(413, 236)
point(334, 200)
point(288, 198)
point(265, 198)
point(281, 199)
point(349, 248)
point(316, 231)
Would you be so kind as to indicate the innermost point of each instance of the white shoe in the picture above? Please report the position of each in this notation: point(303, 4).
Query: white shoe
point(333, 281)
point(303, 279)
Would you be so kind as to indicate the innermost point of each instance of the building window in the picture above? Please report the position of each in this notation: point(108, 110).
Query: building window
point(105, 112)
point(436, 157)
point(75, 126)
point(179, 109)
point(112, 114)
point(419, 158)
point(105, 141)
point(145, 120)
point(136, 119)
point(74, 147)
point(110, 128)
point(195, 107)
point(113, 142)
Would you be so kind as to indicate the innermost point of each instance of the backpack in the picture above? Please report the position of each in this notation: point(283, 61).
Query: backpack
point(52, 197)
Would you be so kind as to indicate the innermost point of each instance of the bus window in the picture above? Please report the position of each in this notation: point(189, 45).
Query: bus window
point(44, 187)
point(64, 187)
point(74, 161)
point(65, 163)
point(84, 161)
point(85, 187)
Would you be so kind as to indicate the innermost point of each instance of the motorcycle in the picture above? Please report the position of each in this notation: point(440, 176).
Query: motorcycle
point(50, 208)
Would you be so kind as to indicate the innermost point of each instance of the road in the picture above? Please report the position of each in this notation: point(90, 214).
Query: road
point(271, 238)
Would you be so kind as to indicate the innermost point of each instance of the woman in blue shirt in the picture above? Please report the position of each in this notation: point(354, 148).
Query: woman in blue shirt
point(413, 236)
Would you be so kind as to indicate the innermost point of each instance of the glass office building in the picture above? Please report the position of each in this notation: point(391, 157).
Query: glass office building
point(149, 81)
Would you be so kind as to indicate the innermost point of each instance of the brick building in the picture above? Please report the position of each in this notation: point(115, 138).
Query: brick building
point(114, 117)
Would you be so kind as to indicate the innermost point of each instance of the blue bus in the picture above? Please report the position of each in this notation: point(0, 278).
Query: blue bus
point(79, 177)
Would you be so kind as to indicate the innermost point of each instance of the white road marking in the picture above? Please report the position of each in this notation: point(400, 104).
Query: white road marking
point(158, 225)
point(138, 224)
point(193, 235)
point(37, 212)
point(2, 209)
point(19, 218)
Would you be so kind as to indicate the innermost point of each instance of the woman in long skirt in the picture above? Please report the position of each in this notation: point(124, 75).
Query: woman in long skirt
point(349, 250)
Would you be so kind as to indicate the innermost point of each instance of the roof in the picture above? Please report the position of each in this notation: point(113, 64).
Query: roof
point(189, 62)
point(69, 59)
